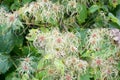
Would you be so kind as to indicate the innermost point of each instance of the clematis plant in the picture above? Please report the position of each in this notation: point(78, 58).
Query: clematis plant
point(62, 58)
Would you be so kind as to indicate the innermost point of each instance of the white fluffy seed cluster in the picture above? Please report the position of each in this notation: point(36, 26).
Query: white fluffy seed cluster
point(54, 42)
point(58, 45)
point(107, 66)
point(48, 11)
point(76, 64)
point(8, 18)
point(42, 10)
point(26, 66)
point(62, 49)
point(96, 37)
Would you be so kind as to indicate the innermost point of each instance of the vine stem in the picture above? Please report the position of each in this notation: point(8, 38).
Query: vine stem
point(13, 63)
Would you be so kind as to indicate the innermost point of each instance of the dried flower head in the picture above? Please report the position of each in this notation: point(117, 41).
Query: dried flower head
point(109, 72)
point(81, 66)
point(97, 62)
point(26, 66)
point(72, 3)
point(68, 77)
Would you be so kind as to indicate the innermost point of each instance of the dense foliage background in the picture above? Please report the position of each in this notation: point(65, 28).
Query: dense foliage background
point(59, 40)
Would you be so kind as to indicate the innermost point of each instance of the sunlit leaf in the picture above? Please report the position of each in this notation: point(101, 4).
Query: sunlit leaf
point(82, 13)
point(93, 8)
point(59, 65)
point(114, 19)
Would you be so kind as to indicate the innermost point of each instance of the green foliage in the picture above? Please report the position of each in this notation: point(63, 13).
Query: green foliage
point(82, 14)
point(5, 63)
point(60, 39)
point(114, 19)
point(93, 8)
point(59, 65)
point(32, 34)
point(14, 4)
point(85, 77)
point(8, 39)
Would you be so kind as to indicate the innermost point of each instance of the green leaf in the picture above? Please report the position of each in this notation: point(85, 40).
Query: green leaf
point(119, 65)
point(15, 6)
point(12, 76)
point(114, 25)
point(82, 13)
point(32, 34)
point(5, 63)
point(41, 64)
point(85, 77)
point(87, 54)
point(7, 39)
point(118, 12)
point(114, 19)
point(43, 29)
point(59, 65)
point(26, 1)
point(41, 74)
point(48, 56)
point(93, 8)
point(83, 35)
point(17, 25)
